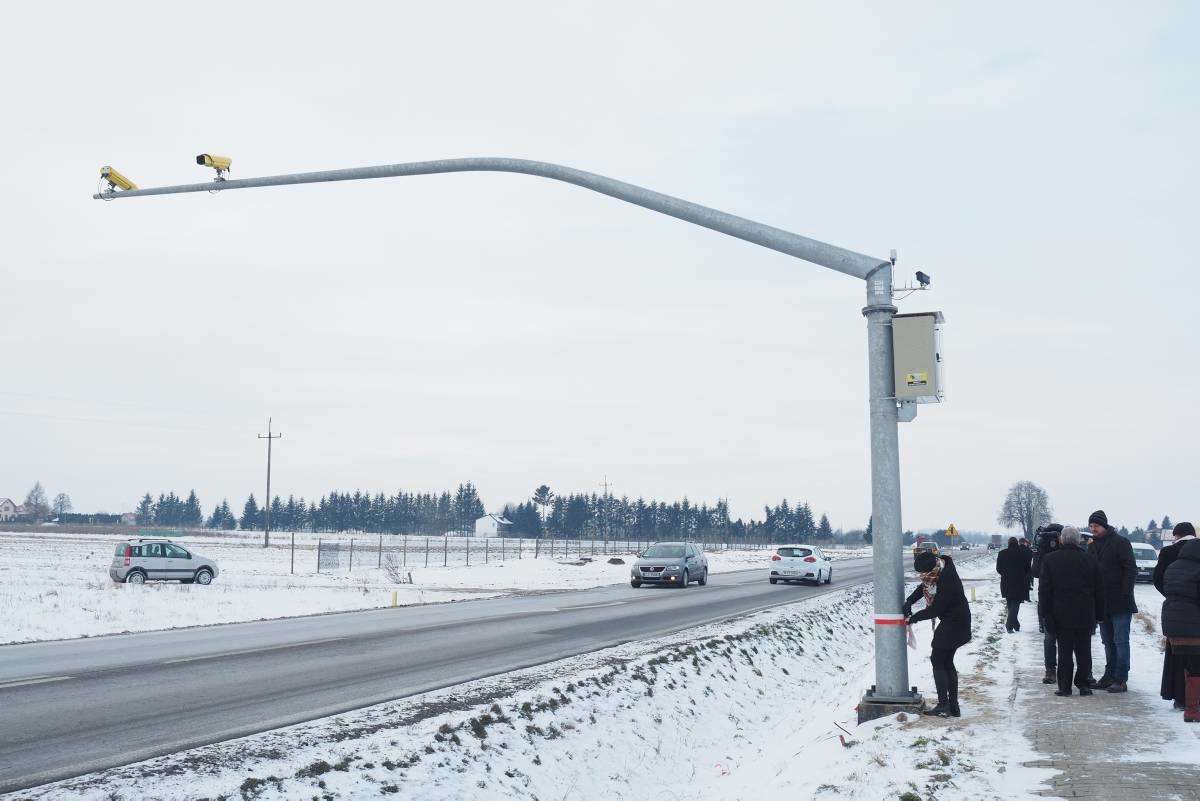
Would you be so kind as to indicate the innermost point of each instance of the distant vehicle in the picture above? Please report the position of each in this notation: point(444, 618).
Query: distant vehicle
point(676, 564)
point(800, 563)
point(137, 561)
point(997, 542)
point(964, 547)
point(926, 545)
point(1146, 558)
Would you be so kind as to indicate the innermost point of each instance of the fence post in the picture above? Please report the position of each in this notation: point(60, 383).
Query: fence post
point(318, 554)
point(502, 549)
point(351, 568)
point(520, 547)
point(380, 551)
point(537, 547)
point(405, 549)
point(293, 552)
point(445, 550)
point(468, 551)
point(487, 549)
point(427, 552)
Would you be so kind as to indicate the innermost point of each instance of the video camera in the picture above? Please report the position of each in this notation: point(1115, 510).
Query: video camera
point(1045, 541)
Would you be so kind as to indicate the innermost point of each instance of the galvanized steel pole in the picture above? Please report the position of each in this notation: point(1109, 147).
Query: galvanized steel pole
point(891, 658)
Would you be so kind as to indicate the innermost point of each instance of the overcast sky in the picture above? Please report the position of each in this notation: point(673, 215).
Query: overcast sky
point(1038, 160)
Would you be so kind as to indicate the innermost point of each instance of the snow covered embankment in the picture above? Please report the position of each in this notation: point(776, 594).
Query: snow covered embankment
point(724, 711)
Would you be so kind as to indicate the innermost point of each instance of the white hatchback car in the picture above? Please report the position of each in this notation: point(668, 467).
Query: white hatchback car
point(800, 563)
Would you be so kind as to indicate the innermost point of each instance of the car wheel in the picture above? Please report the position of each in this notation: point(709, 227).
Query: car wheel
point(135, 577)
point(703, 580)
point(204, 576)
point(829, 578)
point(635, 584)
point(773, 581)
point(686, 580)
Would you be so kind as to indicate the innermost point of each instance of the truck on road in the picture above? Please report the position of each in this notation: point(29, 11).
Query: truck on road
point(997, 542)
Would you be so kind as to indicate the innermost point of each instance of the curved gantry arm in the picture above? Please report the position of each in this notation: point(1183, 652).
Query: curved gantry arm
point(825, 255)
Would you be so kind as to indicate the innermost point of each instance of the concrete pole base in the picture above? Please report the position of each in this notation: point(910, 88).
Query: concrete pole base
point(873, 705)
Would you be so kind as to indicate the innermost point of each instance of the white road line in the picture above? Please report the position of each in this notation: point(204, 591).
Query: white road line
point(33, 680)
point(590, 606)
point(249, 651)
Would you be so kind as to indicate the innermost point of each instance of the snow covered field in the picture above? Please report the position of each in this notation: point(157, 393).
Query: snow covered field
point(757, 708)
point(55, 586)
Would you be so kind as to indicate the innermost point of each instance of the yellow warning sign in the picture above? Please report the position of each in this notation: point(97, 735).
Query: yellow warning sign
point(951, 531)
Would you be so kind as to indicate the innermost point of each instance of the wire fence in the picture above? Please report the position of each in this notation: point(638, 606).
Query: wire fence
point(333, 554)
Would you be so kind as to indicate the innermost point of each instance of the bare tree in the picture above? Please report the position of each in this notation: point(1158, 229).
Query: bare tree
point(62, 504)
point(1027, 505)
point(36, 505)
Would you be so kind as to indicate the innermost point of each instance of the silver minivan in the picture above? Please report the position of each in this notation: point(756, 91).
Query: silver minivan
point(141, 560)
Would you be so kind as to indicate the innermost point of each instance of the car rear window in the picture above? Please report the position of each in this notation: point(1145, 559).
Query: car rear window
point(1144, 553)
point(801, 552)
point(664, 551)
point(120, 550)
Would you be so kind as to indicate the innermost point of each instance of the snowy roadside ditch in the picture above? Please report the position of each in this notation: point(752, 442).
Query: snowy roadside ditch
point(761, 706)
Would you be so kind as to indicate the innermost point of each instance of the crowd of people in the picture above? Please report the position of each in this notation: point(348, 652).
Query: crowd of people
point(1085, 584)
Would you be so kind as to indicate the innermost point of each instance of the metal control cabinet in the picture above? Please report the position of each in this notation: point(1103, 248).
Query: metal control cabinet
point(917, 344)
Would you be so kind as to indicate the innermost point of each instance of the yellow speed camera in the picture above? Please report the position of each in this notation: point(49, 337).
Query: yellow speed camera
point(219, 163)
point(115, 179)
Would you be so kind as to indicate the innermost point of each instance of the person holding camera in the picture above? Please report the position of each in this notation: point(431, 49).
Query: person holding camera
point(942, 590)
point(1014, 581)
point(1069, 592)
point(1046, 543)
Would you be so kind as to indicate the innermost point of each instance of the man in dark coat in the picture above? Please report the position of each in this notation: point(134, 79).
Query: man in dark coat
point(1181, 618)
point(1174, 684)
point(1069, 593)
point(946, 601)
point(1118, 571)
point(1027, 550)
point(1014, 581)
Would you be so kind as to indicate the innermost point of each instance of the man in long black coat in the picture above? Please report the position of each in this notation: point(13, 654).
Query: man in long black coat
point(1013, 568)
point(1070, 596)
point(1118, 571)
point(1173, 681)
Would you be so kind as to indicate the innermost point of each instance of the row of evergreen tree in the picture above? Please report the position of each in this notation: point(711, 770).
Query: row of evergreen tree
point(573, 515)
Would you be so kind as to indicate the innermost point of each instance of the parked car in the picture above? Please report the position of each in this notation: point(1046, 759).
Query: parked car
point(137, 561)
point(672, 563)
point(1146, 558)
point(800, 563)
point(964, 547)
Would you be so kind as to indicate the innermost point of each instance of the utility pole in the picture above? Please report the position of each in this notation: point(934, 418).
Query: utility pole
point(269, 437)
point(604, 511)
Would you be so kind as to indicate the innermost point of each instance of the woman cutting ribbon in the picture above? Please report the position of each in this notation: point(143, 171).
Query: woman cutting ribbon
point(945, 600)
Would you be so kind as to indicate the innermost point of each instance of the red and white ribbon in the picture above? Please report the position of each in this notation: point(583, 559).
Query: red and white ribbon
point(888, 620)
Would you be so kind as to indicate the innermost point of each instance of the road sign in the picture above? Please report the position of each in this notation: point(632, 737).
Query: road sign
point(951, 531)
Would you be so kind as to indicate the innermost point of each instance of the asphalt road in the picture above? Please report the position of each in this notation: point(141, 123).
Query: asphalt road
point(74, 706)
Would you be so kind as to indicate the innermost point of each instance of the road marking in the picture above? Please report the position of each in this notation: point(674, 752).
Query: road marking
point(249, 651)
point(590, 606)
point(33, 680)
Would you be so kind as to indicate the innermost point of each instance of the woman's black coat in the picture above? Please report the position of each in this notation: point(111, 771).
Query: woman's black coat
point(1166, 557)
point(1181, 610)
point(949, 606)
point(1013, 568)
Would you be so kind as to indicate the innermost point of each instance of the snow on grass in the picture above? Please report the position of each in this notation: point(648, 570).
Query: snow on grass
point(56, 585)
point(760, 707)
